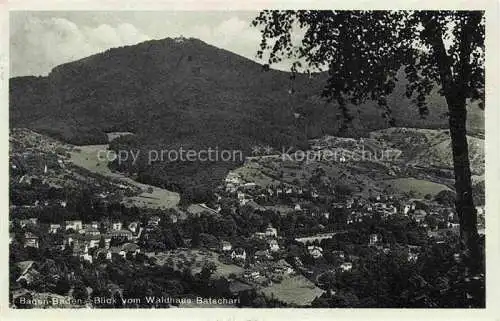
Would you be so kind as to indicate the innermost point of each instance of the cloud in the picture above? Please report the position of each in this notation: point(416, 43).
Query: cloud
point(237, 35)
point(38, 45)
point(232, 34)
point(39, 42)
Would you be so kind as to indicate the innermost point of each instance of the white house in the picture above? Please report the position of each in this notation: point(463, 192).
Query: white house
point(239, 254)
point(346, 266)
point(233, 178)
point(339, 254)
point(273, 245)
point(118, 251)
point(93, 241)
point(92, 231)
point(255, 274)
point(259, 235)
point(75, 225)
point(116, 226)
point(391, 210)
point(133, 227)
point(131, 248)
point(226, 246)
point(33, 221)
point(154, 221)
point(250, 185)
point(374, 239)
point(271, 232)
point(241, 196)
point(419, 215)
point(87, 257)
point(54, 228)
point(315, 251)
point(30, 240)
point(412, 257)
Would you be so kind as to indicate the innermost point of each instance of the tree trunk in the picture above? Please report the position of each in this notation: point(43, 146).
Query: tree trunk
point(456, 101)
point(463, 185)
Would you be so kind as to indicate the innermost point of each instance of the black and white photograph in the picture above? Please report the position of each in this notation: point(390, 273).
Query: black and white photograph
point(247, 159)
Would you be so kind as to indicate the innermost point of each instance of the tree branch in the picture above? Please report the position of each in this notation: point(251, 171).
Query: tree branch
point(468, 24)
point(434, 33)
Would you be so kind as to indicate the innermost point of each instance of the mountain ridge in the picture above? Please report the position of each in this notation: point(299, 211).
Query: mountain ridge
point(194, 95)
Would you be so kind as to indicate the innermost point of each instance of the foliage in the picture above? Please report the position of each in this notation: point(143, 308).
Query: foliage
point(446, 198)
point(365, 52)
point(80, 292)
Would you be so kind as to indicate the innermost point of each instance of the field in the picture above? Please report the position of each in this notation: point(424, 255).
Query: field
point(274, 171)
point(153, 197)
point(87, 157)
point(296, 290)
point(430, 147)
point(418, 186)
point(252, 172)
point(195, 259)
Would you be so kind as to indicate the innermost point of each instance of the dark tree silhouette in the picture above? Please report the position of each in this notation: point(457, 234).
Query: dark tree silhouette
point(80, 292)
point(364, 51)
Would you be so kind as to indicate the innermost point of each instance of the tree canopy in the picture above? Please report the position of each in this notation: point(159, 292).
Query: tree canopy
point(364, 52)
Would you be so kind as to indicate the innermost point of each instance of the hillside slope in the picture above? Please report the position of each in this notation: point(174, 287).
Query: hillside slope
point(152, 86)
point(173, 93)
point(427, 148)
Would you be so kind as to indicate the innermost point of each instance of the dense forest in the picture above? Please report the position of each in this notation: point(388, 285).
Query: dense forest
point(194, 95)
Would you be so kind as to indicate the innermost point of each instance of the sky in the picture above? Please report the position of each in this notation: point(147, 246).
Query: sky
point(41, 40)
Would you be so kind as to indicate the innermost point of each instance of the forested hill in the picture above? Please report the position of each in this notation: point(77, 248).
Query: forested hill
point(184, 92)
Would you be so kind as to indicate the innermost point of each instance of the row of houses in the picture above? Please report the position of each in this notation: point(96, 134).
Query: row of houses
point(89, 234)
point(90, 254)
point(95, 227)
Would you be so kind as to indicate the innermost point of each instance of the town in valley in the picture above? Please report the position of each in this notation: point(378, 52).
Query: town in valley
point(154, 164)
point(275, 232)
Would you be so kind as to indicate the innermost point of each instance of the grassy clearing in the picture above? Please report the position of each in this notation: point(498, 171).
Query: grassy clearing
point(418, 186)
point(252, 172)
point(88, 157)
point(295, 290)
point(275, 171)
point(195, 259)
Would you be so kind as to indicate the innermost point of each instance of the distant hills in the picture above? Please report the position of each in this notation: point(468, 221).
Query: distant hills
point(173, 93)
point(432, 148)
